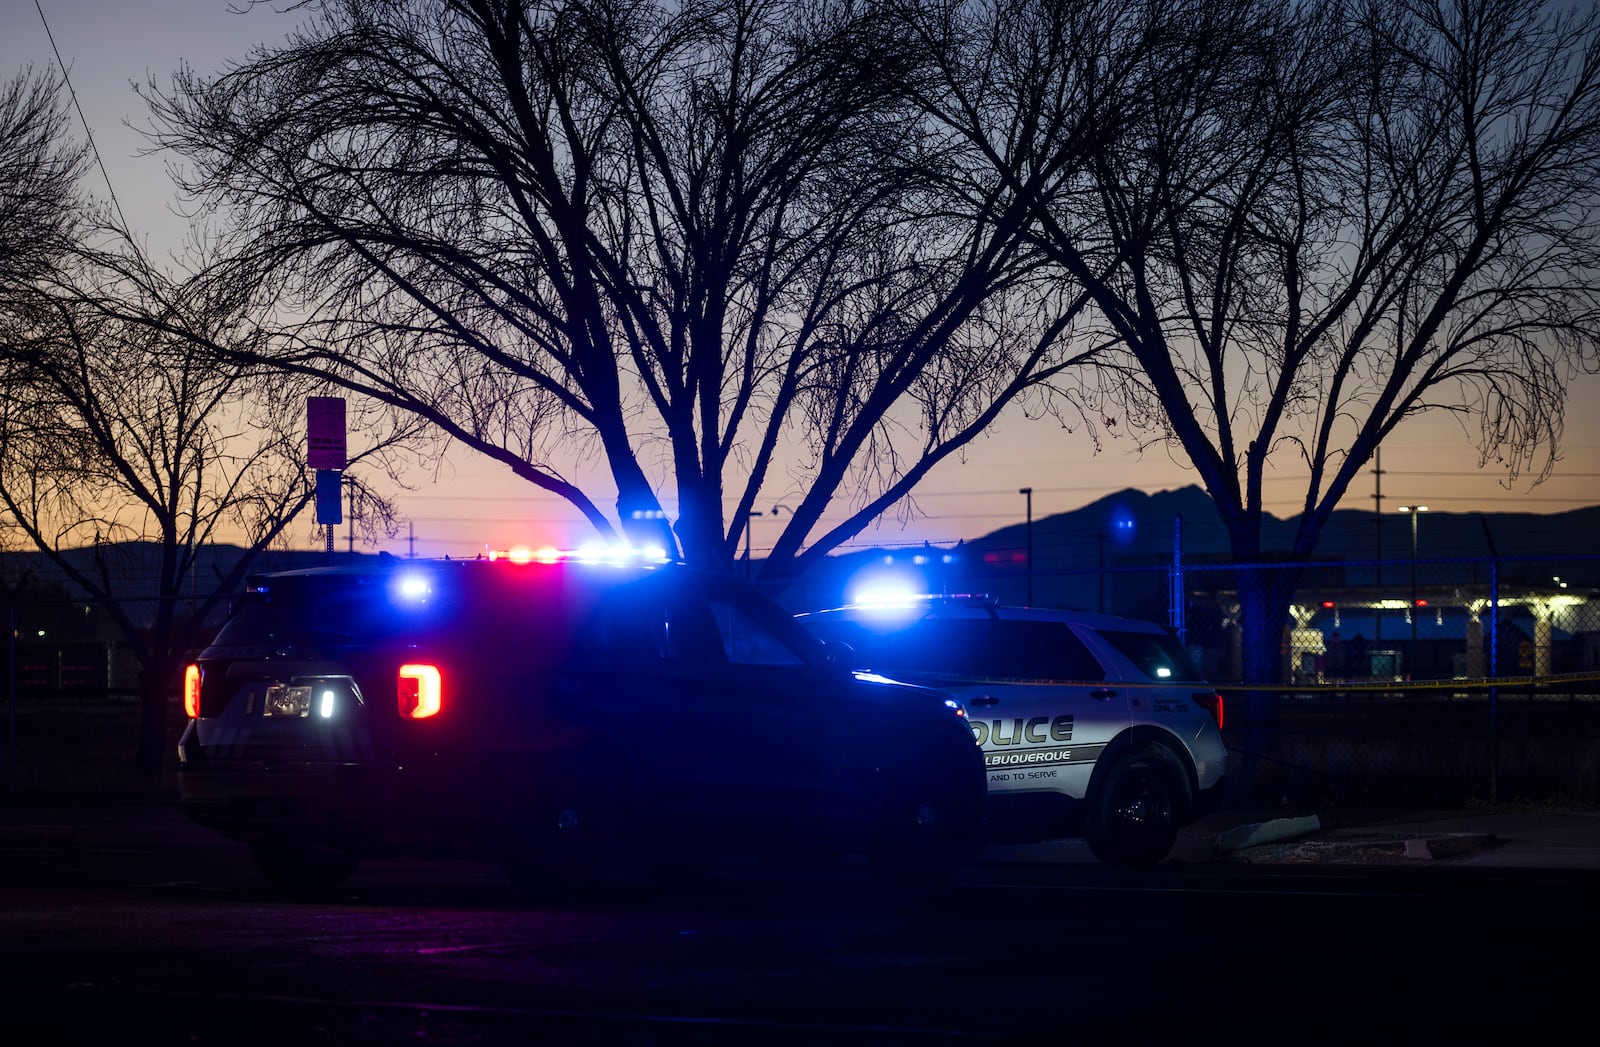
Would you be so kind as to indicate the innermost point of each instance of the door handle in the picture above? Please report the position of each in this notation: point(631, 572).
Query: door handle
point(984, 699)
point(1103, 694)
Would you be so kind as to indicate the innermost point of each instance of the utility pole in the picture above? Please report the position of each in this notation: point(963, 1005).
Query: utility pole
point(1377, 517)
point(1100, 537)
point(1028, 532)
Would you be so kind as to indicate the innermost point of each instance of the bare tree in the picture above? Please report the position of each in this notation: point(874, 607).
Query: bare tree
point(1329, 218)
point(699, 240)
point(39, 168)
point(120, 433)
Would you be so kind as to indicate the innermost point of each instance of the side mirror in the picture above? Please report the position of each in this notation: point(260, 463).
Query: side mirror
point(840, 653)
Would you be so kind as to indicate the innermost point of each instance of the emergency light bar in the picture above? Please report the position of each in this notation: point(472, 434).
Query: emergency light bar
point(615, 553)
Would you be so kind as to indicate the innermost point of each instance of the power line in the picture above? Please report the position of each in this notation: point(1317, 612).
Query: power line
point(66, 78)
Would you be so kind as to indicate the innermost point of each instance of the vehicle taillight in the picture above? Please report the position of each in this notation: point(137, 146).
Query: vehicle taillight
point(1211, 702)
point(421, 694)
point(191, 691)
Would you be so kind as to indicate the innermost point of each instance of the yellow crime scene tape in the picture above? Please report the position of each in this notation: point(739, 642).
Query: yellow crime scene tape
point(938, 679)
point(1482, 683)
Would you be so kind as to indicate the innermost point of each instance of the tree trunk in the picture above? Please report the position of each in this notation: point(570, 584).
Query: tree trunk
point(1264, 596)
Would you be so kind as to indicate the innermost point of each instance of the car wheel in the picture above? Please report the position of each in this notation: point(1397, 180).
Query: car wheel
point(577, 846)
point(925, 838)
point(296, 865)
point(1134, 817)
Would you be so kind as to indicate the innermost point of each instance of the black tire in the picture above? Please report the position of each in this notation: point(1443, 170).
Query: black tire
point(925, 838)
point(580, 844)
point(296, 865)
point(1135, 812)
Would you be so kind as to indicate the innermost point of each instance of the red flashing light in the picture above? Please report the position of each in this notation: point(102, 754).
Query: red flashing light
point(1327, 603)
point(191, 691)
point(1422, 603)
point(420, 691)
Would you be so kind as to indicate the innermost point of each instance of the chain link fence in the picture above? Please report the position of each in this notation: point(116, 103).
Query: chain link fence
point(1388, 683)
point(1378, 683)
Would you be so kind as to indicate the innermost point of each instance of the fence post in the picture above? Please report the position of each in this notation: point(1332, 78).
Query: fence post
point(1176, 612)
point(1494, 680)
point(1494, 661)
point(11, 702)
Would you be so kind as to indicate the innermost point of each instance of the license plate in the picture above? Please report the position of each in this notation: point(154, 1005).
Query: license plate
point(283, 700)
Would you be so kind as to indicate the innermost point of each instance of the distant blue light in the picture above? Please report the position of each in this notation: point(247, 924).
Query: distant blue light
point(1123, 526)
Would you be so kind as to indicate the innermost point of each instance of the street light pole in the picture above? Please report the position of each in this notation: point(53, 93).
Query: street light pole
point(1413, 510)
point(747, 529)
point(1027, 492)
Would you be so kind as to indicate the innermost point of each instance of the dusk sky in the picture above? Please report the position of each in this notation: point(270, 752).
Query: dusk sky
point(108, 44)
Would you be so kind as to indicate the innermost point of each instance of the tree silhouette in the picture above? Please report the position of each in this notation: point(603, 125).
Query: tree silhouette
point(119, 425)
point(1312, 222)
point(702, 242)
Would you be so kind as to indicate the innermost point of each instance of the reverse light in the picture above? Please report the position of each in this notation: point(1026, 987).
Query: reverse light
point(191, 691)
point(1211, 702)
point(420, 691)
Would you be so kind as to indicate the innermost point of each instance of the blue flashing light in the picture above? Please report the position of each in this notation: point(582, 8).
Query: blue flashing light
point(414, 587)
point(887, 596)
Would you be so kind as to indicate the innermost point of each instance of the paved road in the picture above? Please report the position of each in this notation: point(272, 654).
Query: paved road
point(141, 927)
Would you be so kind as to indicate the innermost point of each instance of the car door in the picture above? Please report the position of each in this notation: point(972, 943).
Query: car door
point(727, 718)
point(780, 715)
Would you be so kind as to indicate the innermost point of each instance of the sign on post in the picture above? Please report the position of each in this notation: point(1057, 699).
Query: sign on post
point(325, 432)
point(330, 510)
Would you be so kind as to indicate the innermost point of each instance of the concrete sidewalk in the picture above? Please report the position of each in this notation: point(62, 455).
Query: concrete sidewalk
point(1531, 838)
point(1510, 837)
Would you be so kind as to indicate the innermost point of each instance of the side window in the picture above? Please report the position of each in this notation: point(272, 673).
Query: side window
point(746, 641)
point(1050, 651)
point(1157, 655)
point(984, 647)
point(626, 630)
point(646, 624)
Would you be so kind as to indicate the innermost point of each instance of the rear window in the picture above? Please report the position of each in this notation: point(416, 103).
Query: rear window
point(1157, 655)
point(979, 647)
point(492, 608)
point(284, 610)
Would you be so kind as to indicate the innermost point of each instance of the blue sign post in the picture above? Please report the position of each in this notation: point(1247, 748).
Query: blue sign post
point(325, 452)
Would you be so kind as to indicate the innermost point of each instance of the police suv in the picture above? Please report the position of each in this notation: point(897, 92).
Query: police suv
point(1092, 726)
point(573, 721)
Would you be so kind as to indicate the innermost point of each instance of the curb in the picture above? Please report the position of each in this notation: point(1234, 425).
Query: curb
point(1259, 833)
point(1371, 849)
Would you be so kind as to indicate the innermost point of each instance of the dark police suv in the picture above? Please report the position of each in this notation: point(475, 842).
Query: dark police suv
point(573, 721)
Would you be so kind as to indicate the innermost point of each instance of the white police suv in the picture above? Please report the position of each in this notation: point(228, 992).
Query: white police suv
point(1092, 726)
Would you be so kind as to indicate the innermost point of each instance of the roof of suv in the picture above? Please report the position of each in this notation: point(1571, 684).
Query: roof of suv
point(978, 605)
point(1022, 642)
